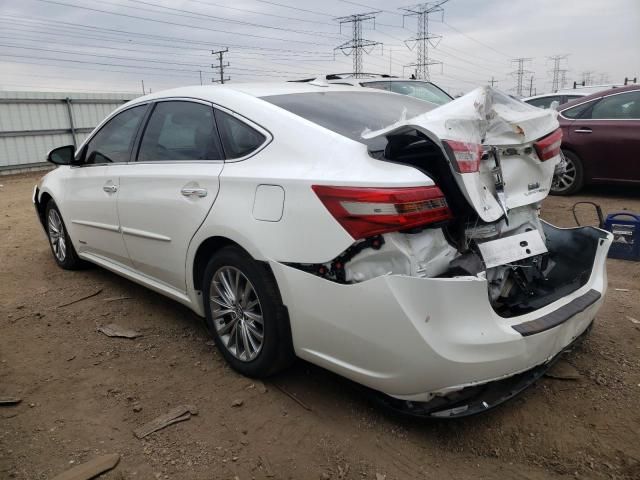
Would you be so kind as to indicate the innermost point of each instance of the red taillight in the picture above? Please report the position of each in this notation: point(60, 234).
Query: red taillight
point(466, 156)
point(549, 146)
point(364, 212)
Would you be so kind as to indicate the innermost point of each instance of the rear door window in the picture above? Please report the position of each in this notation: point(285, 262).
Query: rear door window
point(617, 107)
point(180, 130)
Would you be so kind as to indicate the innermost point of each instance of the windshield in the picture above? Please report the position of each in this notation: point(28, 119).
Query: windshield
point(351, 113)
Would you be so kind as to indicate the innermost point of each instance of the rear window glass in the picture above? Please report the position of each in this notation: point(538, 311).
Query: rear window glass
point(351, 113)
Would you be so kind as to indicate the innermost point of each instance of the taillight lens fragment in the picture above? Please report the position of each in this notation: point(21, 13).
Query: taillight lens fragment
point(364, 212)
point(466, 156)
point(549, 146)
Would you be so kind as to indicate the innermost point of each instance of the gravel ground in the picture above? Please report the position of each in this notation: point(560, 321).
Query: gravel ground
point(83, 393)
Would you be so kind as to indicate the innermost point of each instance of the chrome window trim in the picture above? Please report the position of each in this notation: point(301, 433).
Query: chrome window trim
point(267, 134)
point(598, 99)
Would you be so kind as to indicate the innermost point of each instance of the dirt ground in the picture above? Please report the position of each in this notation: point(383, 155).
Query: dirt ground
point(84, 393)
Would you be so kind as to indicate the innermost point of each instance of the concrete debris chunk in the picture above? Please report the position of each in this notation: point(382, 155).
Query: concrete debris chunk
point(113, 330)
point(178, 414)
point(90, 469)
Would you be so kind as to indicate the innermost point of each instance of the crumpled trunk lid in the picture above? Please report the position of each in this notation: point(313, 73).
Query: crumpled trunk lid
point(506, 128)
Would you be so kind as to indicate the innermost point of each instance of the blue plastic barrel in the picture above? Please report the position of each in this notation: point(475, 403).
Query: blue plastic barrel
point(625, 227)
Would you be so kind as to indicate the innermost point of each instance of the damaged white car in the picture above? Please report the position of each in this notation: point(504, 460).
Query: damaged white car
point(392, 242)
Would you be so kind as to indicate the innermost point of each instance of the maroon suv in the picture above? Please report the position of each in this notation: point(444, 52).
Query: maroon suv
point(601, 140)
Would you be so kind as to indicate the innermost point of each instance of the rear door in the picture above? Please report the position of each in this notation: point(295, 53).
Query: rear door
point(166, 194)
point(607, 137)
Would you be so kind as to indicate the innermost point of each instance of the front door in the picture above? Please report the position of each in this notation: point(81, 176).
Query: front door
point(166, 194)
point(91, 189)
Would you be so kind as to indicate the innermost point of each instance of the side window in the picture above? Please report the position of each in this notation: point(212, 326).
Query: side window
point(579, 110)
point(114, 140)
point(180, 130)
point(238, 138)
point(620, 106)
point(544, 102)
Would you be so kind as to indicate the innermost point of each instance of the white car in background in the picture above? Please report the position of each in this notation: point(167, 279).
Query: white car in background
point(420, 89)
point(392, 243)
point(545, 100)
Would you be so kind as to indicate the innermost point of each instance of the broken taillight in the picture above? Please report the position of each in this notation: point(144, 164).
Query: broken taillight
point(364, 212)
point(466, 156)
point(549, 146)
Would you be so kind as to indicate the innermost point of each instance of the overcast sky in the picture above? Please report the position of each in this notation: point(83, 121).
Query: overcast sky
point(112, 45)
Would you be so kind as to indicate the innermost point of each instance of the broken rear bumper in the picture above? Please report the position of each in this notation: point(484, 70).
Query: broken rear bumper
point(475, 399)
point(416, 339)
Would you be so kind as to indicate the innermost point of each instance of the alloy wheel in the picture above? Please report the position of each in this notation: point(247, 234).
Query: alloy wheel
point(565, 180)
point(57, 235)
point(236, 313)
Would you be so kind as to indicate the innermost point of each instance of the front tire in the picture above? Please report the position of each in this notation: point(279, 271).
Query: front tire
point(572, 179)
point(63, 252)
point(245, 314)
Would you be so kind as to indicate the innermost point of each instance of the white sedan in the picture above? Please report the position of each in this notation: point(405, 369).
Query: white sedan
point(370, 233)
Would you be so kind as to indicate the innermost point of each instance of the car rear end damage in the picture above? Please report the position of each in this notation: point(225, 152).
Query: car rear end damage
point(434, 297)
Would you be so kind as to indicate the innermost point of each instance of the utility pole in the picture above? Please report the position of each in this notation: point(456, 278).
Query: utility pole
point(221, 66)
point(531, 86)
point(520, 72)
point(557, 72)
point(423, 37)
point(357, 46)
point(587, 77)
point(143, 87)
point(200, 72)
point(493, 81)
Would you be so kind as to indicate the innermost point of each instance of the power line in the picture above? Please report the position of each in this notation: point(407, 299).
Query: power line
point(519, 73)
point(167, 22)
point(424, 38)
point(173, 40)
point(475, 40)
point(357, 46)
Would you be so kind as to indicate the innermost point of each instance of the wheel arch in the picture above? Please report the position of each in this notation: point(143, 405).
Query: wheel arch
point(207, 248)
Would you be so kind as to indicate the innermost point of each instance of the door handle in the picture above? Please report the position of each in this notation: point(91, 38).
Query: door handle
point(583, 130)
point(194, 192)
point(110, 188)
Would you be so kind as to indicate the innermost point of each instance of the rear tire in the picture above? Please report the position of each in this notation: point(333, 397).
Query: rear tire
point(63, 252)
point(572, 180)
point(245, 314)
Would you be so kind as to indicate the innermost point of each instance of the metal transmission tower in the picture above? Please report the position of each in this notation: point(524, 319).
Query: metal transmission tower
point(587, 77)
point(220, 66)
point(557, 72)
point(563, 79)
point(519, 73)
point(357, 46)
point(423, 38)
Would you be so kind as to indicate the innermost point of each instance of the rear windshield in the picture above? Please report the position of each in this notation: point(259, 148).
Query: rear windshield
point(351, 113)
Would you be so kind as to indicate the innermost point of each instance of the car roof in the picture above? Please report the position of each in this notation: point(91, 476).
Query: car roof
point(557, 94)
point(601, 93)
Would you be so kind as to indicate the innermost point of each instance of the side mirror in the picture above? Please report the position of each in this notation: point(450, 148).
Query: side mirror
point(62, 155)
